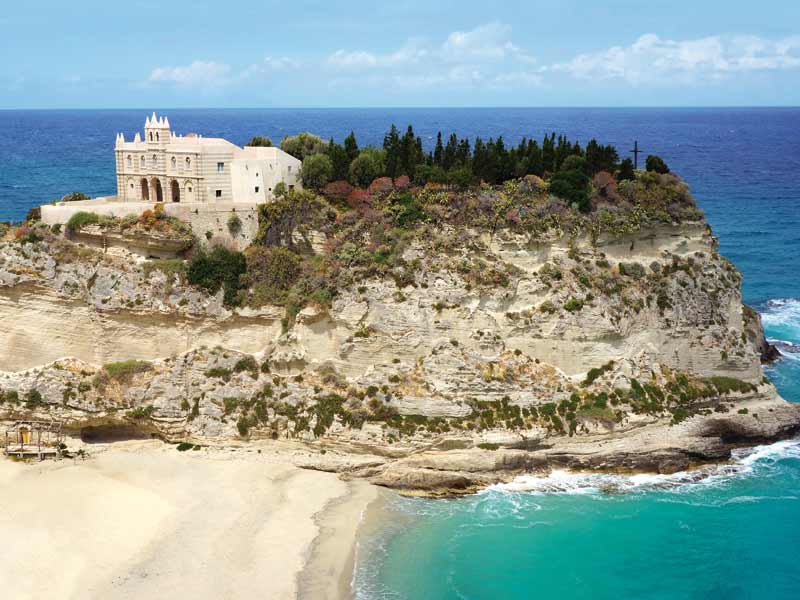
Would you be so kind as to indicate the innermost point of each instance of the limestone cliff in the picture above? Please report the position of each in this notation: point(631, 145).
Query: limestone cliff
point(494, 353)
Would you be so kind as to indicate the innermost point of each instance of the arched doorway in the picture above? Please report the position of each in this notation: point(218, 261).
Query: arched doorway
point(158, 192)
point(145, 190)
point(175, 191)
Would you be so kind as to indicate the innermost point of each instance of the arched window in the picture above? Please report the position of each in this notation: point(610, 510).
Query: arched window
point(188, 162)
point(156, 136)
point(130, 161)
point(142, 162)
point(155, 161)
point(174, 162)
point(151, 136)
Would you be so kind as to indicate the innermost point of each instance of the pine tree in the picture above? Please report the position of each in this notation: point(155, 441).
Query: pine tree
point(626, 171)
point(479, 159)
point(463, 153)
point(391, 144)
point(351, 147)
point(533, 160)
point(450, 150)
point(549, 153)
point(437, 153)
point(338, 156)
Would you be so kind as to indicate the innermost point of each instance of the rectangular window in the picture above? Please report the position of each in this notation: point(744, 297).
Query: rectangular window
point(291, 187)
point(220, 167)
point(256, 189)
point(290, 168)
point(218, 193)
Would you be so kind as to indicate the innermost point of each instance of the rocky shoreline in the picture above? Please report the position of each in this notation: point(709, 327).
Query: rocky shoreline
point(655, 447)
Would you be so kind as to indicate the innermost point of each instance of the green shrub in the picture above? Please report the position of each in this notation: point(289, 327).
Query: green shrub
point(141, 412)
point(81, 219)
point(633, 270)
point(124, 371)
point(596, 372)
point(547, 307)
point(271, 272)
point(230, 404)
point(74, 197)
point(656, 164)
point(220, 268)
point(184, 446)
point(573, 186)
point(488, 446)
point(221, 372)
point(280, 190)
point(234, 224)
point(728, 385)
point(246, 363)
point(33, 398)
point(573, 305)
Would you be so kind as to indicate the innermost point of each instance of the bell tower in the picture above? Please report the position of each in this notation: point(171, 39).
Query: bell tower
point(156, 131)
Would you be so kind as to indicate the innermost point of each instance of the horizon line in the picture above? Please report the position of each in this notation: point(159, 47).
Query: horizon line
point(413, 107)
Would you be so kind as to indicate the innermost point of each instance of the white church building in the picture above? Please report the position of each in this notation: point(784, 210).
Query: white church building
point(167, 167)
point(203, 181)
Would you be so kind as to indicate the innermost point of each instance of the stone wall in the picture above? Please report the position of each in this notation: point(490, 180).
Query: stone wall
point(202, 217)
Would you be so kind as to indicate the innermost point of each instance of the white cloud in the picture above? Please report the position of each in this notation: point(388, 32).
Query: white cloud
point(198, 73)
point(270, 65)
point(651, 59)
point(464, 59)
point(491, 41)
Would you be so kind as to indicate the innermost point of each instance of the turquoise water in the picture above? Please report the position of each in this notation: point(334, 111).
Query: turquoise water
point(733, 535)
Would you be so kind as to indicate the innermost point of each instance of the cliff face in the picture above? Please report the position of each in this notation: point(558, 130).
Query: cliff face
point(553, 351)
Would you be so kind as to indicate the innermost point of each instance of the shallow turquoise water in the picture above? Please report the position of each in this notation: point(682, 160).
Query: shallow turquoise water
point(734, 535)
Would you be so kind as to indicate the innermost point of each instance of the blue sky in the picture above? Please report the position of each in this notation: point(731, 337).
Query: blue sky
point(195, 53)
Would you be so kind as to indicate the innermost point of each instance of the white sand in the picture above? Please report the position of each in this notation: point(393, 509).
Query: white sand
point(141, 520)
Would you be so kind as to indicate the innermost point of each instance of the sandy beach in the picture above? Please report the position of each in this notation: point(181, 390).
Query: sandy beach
point(141, 520)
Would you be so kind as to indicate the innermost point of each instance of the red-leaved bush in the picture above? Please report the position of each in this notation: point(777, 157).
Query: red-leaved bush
point(606, 185)
point(381, 185)
point(402, 182)
point(358, 199)
point(337, 190)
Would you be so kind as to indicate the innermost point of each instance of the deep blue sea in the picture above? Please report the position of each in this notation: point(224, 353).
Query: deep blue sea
point(733, 535)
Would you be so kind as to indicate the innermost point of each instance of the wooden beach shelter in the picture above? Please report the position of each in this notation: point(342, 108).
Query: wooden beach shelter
point(41, 439)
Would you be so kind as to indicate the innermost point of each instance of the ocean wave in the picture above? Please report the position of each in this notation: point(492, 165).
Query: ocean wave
point(781, 311)
point(744, 463)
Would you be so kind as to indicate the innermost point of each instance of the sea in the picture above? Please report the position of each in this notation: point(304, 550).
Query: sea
point(723, 533)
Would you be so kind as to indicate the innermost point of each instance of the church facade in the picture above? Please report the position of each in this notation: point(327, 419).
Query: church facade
point(167, 167)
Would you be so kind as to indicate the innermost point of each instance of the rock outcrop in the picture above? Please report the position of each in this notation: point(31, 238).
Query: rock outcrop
point(628, 352)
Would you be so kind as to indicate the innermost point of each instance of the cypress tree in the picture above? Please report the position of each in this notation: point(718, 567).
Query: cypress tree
point(338, 156)
point(351, 147)
point(437, 153)
point(450, 150)
point(391, 144)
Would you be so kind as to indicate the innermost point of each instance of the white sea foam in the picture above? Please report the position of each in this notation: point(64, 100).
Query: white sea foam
point(783, 313)
point(745, 462)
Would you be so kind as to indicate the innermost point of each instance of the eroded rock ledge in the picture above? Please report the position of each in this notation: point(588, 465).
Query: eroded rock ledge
point(631, 352)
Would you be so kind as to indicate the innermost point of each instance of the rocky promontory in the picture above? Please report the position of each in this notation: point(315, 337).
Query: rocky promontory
point(428, 339)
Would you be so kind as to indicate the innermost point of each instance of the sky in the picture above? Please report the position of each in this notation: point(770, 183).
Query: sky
point(299, 53)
